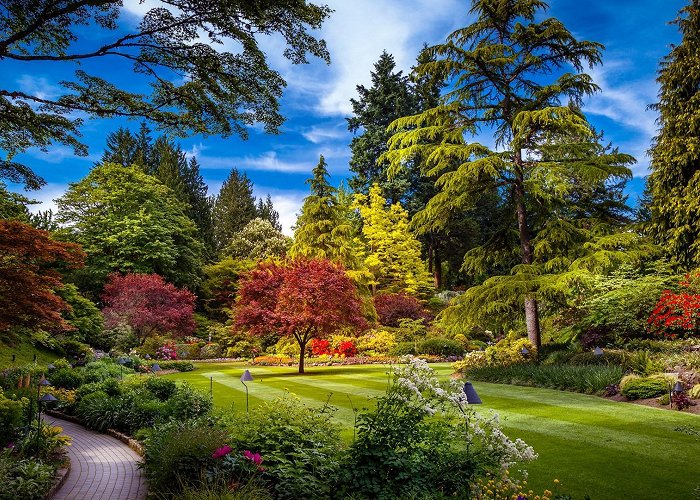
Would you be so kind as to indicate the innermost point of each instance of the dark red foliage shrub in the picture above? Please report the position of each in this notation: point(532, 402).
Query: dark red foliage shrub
point(392, 307)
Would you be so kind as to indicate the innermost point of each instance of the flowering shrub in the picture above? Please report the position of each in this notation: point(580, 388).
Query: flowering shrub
point(680, 401)
point(346, 348)
point(678, 313)
point(273, 361)
point(167, 352)
point(513, 489)
point(424, 437)
point(506, 352)
point(320, 347)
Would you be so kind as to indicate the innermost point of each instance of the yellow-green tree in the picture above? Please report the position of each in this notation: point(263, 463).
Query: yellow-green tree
point(392, 253)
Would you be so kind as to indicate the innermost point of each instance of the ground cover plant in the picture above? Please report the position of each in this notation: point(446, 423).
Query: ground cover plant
point(604, 439)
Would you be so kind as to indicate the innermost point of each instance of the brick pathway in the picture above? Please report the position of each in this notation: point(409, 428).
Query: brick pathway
point(102, 468)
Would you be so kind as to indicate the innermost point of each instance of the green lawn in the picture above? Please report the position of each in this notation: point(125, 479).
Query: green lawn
point(601, 448)
point(24, 353)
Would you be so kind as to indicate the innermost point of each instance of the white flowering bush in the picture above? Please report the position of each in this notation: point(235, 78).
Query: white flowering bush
point(423, 437)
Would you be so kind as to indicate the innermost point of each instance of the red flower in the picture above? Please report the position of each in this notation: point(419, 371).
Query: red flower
point(222, 452)
point(253, 457)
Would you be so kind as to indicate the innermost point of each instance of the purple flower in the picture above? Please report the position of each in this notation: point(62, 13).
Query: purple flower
point(10, 446)
point(253, 457)
point(222, 452)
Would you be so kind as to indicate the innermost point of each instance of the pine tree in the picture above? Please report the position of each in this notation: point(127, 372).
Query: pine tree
point(324, 230)
point(266, 211)
point(503, 70)
point(674, 182)
point(392, 254)
point(388, 98)
point(233, 208)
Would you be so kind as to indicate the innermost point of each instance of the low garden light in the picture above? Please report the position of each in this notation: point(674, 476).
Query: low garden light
point(156, 368)
point(51, 366)
point(678, 388)
point(246, 377)
point(598, 351)
point(472, 397)
point(122, 362)
point(41, 399)
point(524, 352)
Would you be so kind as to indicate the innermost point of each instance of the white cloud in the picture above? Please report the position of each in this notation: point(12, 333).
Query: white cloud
point(268, 161)
point(46, 196)
point(318, 135)
point(38, 87)
point(287, 203)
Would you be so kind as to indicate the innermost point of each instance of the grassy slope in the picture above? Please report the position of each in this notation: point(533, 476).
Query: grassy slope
point(24, 354)
point(605, 449)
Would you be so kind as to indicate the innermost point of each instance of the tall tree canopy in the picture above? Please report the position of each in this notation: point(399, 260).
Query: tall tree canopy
point(674, 182)
point(30, 261)
point(234, 207)
point(258, 240)
point(303, 299)
point(128, 221)
point(392, 253)
point(390, 97)
point(229, 83)
point(165, 160)
point(323, 229)
point(507, 76)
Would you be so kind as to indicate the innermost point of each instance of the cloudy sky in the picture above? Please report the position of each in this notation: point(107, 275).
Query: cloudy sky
point(636, 34)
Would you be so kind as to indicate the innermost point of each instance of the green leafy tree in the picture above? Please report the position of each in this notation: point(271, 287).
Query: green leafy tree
point(220, 286)
point(128, 221)
point(234, 207)
point(258, 240)
point(506, 74)
point(84, 316)
point(13, 205)
point(390, 97)
point(165, 160)
point(229, 83)
point(674, 182)
point(324, 229)
point(392, 253)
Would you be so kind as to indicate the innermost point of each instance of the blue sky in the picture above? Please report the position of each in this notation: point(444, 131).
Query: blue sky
point(636, 34)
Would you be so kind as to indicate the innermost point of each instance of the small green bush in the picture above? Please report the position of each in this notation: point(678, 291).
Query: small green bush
point(404, 348)
point(694, 391)
point(67, 378)
point(28, 479)
point(644, 388)
point(161, 388)
point(11, 417)
point(440, 347)
point(590, 358)
point(99, 411)
point(181, 366)
point(187, 403)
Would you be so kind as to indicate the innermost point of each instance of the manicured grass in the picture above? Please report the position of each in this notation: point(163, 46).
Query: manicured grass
point(24, 353)
point(593, 446)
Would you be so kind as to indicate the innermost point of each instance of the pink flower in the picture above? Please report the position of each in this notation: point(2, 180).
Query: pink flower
point(222, 452)
point(253, 457)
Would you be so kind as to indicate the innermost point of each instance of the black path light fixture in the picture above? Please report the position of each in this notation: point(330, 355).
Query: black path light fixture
point(678, 387)
point(598, 351)
point(122, 361)
point(46, 398)
point(246, 377)
point(524, 352)
point(472, 397)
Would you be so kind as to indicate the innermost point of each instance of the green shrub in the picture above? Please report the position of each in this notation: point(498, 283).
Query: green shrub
point(404, 348)
point(11, 417)
point(588, 379)
point(376, 343)
point(181, 366)
point(161, 388)
point(210, 351)
point(178, 452)
point(187, 403)
point(589, 358)
point(68, 378)
point(99, 411)
point(694, 392)
point(28, 479)
point(440, 347)
point(104, 369)
point(644, 388)
point(300, 446)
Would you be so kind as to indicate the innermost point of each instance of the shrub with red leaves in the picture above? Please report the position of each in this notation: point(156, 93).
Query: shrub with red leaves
point(320, 347)
point(678, 313)
point(392, 307)
point(346, 349)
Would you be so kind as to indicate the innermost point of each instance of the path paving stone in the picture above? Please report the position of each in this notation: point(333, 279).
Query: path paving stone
point(102, 468)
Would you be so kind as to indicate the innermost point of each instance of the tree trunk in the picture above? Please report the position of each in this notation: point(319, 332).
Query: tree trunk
point(301, 356)
point(532, 319)
point(437, 269)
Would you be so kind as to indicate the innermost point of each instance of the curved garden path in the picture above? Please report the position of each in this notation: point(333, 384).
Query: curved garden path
point(102, 468)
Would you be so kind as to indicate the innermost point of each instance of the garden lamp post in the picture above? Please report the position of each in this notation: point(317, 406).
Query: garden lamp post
point(246, 377)
point(122, 362)
point(472, 397)
point(598, 351)
point(155, 368)
point(39, 400)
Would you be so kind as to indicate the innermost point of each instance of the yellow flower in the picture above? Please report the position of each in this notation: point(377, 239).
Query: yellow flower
point(556, 481)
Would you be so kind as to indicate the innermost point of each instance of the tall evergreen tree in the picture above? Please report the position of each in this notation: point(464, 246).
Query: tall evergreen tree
point(388, 98)
point(324, 230)
point(234, 207)
point(266, 211)
point(674, 182)
point(504, 70)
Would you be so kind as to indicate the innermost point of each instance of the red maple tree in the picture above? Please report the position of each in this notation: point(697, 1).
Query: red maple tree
point(29, 275)
point(147, 304)
point(678, 313)
point(303, 299)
